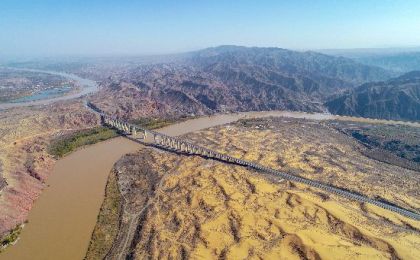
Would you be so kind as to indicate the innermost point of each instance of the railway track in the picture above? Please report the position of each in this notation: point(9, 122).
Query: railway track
point(179, 145)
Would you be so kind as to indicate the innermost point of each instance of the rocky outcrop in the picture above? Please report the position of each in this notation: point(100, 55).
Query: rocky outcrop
point(24, 160)
point(393, 99)
point(231, 78)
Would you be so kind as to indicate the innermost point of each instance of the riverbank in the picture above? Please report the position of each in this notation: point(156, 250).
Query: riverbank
point(86, 87)
point(107, 225)
point(66, 144)
point(188, 206)
point(25, 134)
point(25, 163)
point(186, 127)
point(176, 129)
point(11, 238)
point(65, 214)
point(59, 147)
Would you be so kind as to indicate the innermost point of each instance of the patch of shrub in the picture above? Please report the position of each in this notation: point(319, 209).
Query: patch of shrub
point(155, 123)
point(67, 144)
point(11, 237)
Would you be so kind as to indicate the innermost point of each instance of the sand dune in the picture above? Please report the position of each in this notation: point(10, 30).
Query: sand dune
point(188, 206)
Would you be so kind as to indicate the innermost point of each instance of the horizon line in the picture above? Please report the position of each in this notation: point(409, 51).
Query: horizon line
point(391, 49)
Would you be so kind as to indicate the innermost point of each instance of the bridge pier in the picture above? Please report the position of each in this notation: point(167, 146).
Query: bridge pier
point(186, 147)
point(133, 131)
point(155, 138)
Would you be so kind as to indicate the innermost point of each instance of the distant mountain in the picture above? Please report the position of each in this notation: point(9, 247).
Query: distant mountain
point(398, 60)
point(233, 78)
point(402, 62)
point(327, 72)
point(397, 98)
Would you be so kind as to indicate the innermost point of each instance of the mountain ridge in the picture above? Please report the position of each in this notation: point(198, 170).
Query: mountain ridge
point(397, 98)
point(235, 78)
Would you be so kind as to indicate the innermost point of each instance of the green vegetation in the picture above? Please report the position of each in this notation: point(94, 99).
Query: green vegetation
point(393, 144)
point(152, 123)
point(155, 123)
point(106, 228)
point(407, 134)
point(11, 237)
point(403, 141)
point(7, 97)
point(69, 143)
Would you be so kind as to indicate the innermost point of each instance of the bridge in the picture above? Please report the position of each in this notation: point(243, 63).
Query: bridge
point(183, 146)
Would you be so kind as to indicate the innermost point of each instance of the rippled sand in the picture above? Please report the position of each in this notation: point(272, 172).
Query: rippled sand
point(188, 206)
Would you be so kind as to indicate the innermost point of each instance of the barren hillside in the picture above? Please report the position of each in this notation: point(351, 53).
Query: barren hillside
point(232, 78)
point(24, 161)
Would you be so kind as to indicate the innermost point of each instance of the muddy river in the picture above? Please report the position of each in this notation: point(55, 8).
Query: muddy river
point(63, 218)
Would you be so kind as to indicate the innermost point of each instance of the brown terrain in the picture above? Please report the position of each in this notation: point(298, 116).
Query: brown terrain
point(24, 161)
point(161, 204)
point(16, 84)
point(178, 206)
point(232, 78)
point(398, 98)
point(394, 144)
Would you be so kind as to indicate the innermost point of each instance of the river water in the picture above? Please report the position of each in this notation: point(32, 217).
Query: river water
point(87, 87)
point(62, 219)
point(220, 119)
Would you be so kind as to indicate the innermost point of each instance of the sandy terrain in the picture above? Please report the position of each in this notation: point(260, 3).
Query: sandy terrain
point(178, 206)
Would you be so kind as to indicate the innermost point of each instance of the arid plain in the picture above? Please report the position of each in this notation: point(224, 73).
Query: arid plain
point(177, 206)
point(163, 204)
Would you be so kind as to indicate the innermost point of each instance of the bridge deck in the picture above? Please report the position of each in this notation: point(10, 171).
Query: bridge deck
point(179, 145)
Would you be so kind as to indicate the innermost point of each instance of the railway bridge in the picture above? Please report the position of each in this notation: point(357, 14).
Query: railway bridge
point(180, 145)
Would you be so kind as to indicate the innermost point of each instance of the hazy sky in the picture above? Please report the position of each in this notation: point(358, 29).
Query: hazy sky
point(97, 27)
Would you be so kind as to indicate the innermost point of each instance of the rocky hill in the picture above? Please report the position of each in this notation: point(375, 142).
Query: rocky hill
point(232, 78)
point(25, 164)
point(397, 98)
point(276, 65)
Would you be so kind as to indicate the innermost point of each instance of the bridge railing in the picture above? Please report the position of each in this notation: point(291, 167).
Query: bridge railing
point(187, 147)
